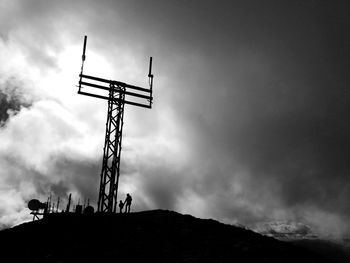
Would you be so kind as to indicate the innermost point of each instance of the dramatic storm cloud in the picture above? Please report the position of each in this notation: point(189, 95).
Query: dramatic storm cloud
point(249, 123)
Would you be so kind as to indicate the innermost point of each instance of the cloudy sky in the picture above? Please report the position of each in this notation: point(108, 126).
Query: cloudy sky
point(250, 118)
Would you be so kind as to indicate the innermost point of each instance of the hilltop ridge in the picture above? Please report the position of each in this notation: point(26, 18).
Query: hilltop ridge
point(148, 236)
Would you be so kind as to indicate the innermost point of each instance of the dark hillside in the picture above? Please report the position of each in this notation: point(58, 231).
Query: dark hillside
point(339, 253)
point(150, 236)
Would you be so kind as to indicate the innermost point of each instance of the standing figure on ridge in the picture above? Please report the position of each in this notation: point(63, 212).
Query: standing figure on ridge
point(121, 205)
point(128, 203)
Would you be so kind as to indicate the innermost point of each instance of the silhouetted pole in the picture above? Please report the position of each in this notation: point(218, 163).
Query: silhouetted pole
point(58, 203)
point(68, 205)
point(117, 94)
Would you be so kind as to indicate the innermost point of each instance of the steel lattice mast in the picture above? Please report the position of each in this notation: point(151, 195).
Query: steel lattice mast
point(117, 94)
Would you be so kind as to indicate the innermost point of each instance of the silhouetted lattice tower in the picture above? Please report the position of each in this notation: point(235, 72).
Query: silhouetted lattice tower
point(117, 94)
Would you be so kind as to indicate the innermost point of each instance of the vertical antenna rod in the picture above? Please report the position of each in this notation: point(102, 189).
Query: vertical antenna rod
point(82, 61)
point(84, 49)
point(150, 79)
point(150, 68)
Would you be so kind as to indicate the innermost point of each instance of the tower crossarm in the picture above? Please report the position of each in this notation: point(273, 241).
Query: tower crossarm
point(100, 88)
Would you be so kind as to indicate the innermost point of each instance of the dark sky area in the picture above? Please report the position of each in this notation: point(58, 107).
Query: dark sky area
point(250, 119)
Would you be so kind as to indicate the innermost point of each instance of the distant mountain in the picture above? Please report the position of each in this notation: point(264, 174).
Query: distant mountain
point(150, 236)
point(301, 235)
point(286, 230)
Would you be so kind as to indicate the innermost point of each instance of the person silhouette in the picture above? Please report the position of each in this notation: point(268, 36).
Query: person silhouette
point(128, 203)
point(121, 205)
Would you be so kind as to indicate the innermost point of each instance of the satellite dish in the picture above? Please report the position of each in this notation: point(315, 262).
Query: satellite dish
point(35, 205)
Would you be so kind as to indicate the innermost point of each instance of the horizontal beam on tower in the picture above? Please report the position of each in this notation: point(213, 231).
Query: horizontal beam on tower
point(121, 91)
point(107, 98)
point(133, 95)
point(115, 82)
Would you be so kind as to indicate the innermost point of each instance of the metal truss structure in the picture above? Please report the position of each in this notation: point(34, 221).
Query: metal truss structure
point(117, 94)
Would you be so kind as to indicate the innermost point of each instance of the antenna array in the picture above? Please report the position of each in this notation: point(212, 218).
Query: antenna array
point(117, 94)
